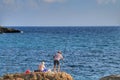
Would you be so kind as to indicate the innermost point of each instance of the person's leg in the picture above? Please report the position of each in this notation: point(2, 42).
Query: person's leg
point(54, 65)
point(58, 65)
point(58, 68)
point(54, 68)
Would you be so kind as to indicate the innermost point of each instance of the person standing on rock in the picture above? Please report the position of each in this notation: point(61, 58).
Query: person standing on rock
point(57, 57)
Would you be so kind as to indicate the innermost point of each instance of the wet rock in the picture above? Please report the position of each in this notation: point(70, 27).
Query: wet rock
point(111, 77)
point(38, 76)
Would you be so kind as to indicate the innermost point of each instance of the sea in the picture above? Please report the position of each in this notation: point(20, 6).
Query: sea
point(89, 52)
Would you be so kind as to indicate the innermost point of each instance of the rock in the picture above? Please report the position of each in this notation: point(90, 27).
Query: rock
point(8, 30)
point(111, 77)
point(38, 76)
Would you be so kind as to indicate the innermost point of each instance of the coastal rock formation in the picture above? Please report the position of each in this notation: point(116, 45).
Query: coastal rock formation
point(38, 76)
point(111, 77)
point(8, 30)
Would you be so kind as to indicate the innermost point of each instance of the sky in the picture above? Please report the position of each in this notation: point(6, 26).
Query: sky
point(60, 12)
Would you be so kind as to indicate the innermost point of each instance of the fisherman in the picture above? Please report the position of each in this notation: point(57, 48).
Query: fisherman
point(57, 57)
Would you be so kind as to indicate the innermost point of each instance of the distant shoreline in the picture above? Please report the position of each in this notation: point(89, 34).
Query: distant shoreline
point(8, 30)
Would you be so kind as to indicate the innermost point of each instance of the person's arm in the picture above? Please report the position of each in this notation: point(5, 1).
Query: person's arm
point(53, 56)
point(44, 66)
point(39, 67)
point(61, 57)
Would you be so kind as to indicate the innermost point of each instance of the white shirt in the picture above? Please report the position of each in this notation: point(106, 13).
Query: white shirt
point(58, 56)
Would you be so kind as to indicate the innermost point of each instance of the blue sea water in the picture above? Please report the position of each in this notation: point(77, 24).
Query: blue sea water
point(89, 52)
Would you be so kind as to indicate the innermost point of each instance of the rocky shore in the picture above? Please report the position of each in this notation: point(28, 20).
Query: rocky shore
point(38, 76)
point(8, 30)
point(111, 77)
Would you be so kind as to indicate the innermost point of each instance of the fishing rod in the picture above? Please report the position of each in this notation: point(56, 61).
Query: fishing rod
point(65, 46)
point(66, 42)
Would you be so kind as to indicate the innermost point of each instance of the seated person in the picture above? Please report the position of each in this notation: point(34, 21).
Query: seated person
point(42, 67)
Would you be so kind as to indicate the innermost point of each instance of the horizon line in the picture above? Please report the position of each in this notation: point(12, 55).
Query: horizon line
point(62, 26)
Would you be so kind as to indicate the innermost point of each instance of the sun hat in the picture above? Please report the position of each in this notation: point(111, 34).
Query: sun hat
point(59, 52)
point(43, 62)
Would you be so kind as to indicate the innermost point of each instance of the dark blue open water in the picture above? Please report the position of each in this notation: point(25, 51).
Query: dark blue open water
point(89, 52)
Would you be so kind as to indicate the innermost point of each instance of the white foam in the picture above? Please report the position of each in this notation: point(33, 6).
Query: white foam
point(21, 32)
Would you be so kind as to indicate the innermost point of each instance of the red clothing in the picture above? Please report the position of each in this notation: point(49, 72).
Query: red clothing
point(27, 71)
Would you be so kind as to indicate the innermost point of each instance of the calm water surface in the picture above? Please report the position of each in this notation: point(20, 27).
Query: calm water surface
point(89, 52)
